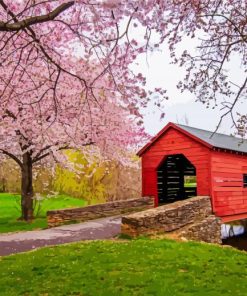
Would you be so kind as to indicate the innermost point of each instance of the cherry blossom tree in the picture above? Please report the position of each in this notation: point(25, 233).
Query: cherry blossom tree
point(55, 98)
point(49, 33)
point(32, 130)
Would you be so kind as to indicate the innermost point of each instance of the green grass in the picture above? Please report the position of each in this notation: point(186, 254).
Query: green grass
point(189, 184)
point(10, 211)
point(135, 267)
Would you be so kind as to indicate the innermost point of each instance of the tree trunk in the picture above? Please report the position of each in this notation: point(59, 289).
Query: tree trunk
point(27, 188)
point(4, 187)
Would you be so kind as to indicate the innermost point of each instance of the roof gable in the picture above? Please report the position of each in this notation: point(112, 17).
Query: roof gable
point(206, 138)
point(164, 130)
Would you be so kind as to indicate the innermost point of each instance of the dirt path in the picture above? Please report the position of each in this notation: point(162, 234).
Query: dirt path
point(24, 241)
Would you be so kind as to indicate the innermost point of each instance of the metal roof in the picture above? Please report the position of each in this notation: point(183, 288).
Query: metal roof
point(217, 140)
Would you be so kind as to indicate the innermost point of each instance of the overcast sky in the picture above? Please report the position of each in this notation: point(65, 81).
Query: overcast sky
point(181, 108)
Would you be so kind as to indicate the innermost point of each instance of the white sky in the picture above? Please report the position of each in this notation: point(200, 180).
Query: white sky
point(160, 73)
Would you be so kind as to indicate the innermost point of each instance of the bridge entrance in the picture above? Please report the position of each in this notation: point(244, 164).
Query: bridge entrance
point(176, 178)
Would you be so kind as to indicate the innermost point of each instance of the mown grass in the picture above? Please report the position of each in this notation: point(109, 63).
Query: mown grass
point(10, 211)
point(135, 267)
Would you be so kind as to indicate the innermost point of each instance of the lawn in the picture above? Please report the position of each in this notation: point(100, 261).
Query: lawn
point(135, 267)
point(189, 184)
point(10, 211)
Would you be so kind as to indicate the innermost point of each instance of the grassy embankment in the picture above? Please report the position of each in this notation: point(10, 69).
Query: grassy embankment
point(10, 211)
point(135, 267)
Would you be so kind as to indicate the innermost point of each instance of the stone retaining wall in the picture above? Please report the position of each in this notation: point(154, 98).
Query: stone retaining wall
point(66, 216)
point(208, 230)
point(193, 217)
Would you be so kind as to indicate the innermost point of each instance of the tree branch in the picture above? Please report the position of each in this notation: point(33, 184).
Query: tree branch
point(232, 105)
point(66, 147)
point(16, 159)
point(32, 33)
point(20, 25)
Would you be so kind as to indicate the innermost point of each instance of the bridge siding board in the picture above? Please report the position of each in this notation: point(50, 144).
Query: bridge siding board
point(219, 173)
point(229, 169)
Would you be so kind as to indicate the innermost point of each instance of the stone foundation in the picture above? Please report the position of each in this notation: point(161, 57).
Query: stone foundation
point(208, 230)
point(66, 216)
point(190, 219)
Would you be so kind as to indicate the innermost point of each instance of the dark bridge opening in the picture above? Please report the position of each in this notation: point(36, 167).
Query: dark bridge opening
point(176, 178)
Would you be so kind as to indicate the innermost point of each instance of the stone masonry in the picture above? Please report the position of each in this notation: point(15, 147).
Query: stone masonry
point(66, 216)
point(191, 219)
point(208, 230)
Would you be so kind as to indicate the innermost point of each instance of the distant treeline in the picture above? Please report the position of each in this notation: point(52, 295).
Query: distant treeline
point(95, 182)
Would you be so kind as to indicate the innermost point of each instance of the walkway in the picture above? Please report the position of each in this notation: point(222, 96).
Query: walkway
point(24, 241)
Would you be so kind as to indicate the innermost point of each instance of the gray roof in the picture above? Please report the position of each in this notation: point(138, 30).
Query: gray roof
point(216, 139)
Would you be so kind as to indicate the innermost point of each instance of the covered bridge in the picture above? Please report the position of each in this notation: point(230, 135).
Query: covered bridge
point(182, 161)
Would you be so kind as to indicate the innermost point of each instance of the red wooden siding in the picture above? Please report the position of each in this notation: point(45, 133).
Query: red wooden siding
point(175, 142)
point(229, 195)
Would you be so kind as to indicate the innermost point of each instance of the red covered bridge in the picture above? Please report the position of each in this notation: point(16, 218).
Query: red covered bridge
point(182, 161)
